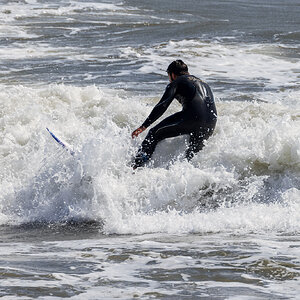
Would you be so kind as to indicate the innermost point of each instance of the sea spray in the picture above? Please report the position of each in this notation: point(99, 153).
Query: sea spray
point(247, 166)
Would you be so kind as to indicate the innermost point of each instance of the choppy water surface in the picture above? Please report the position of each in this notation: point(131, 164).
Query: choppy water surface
point(160, 266)
point(225, 226)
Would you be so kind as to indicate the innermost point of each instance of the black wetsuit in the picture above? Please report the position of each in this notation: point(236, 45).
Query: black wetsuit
point(198, 117)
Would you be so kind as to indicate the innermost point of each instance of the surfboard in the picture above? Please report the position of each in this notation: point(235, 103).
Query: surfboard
point(85, 179)
point(61, 143)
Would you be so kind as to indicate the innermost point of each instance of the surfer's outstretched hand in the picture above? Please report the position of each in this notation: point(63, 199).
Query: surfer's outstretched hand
point(138, 131)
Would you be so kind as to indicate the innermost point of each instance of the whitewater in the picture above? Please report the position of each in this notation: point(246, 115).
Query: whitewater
point(224, 226)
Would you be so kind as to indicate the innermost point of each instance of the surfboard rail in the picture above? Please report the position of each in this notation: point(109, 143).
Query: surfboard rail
point(60, 142)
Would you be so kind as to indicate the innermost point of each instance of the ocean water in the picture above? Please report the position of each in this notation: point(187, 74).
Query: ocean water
point(225, 226)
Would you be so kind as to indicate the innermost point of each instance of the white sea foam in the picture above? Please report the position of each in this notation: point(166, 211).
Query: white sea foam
point(137, 263)
point(253, 156)
point(224, 225)
point(259, 63)
point(13, 12)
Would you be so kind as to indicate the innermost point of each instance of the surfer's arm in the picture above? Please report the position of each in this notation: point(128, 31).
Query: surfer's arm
point(138, 131)
point(161, 106)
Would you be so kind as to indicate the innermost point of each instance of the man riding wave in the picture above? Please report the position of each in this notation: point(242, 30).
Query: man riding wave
point(197, 118)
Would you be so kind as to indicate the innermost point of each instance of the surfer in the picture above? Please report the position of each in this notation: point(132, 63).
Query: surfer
point(197, 118)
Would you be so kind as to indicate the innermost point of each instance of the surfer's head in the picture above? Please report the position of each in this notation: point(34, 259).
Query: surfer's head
point(178, 67)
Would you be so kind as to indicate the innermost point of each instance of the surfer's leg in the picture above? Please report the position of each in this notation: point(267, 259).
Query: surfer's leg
point(197, 138)
point(196, 143)
point(170, 127)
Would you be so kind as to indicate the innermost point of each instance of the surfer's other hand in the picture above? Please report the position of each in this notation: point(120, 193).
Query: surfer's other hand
point(137, 132)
